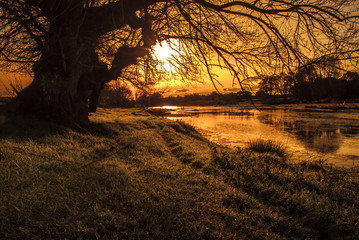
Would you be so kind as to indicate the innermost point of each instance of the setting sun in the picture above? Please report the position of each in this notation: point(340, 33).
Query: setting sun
point(163, 51)
point(179, 119)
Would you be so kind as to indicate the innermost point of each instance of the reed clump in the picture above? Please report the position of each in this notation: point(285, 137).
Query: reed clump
point(267, 146)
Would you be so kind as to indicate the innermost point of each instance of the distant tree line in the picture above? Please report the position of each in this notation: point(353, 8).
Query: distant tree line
point(321, 80)
point(311, 83)
point(213, 98)
point(116, 96)
point(122, 96)
point(306, 85)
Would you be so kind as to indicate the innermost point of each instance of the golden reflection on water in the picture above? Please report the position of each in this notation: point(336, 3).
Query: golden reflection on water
point(308, 136)
point(316, 134)
point(167, 107)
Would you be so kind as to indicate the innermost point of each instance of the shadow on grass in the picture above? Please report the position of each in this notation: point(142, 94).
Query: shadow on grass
point(27, 128)
point(163, 181)
point(52, 199)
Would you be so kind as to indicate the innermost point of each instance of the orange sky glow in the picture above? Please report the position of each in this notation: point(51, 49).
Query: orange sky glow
point(204, 86)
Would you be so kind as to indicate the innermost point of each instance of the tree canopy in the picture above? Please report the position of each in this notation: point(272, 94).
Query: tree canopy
point(73, 47)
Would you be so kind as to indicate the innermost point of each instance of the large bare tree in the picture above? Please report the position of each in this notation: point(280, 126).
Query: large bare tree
point(74, 47)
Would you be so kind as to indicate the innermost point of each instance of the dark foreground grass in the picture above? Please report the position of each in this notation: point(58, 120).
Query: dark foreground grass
point(141, 177)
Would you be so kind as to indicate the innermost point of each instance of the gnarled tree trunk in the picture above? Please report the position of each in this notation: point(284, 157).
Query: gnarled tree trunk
point(68, 78)
point(54, 94)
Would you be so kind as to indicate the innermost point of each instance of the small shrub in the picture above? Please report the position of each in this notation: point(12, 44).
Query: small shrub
point(267, 146)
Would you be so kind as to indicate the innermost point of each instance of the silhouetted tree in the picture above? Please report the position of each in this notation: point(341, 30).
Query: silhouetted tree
point(352, 84)
point(318, 79)
point(244, 95)
point(148, 99)
point(261, 94)
point(119, 95)
point(270, 85)
point(74, 47)
point(13, 86)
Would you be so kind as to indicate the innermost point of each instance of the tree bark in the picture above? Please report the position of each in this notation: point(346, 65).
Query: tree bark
point(68, 78)
point(54, 94)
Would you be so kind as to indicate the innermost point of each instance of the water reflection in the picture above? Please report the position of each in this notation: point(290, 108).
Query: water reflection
point(308, 135)
point(315, 134)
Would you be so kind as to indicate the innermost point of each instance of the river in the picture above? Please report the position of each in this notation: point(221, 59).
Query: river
point(307, 134)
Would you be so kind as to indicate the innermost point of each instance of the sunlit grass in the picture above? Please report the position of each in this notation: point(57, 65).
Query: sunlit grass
point(267, 146)
point(136, 176)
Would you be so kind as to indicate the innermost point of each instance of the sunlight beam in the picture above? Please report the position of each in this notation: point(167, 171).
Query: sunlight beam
point(162, 51)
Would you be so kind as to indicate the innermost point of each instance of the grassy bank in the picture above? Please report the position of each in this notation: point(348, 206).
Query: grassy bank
point(136, 176)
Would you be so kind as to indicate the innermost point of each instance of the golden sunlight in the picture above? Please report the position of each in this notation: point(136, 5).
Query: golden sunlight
point(163, 51)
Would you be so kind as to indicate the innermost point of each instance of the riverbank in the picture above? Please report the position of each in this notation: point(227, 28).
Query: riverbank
point(247, 106)
point(136, 176)
point(313, 106)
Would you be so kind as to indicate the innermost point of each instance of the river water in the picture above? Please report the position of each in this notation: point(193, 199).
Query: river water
point(308, 134)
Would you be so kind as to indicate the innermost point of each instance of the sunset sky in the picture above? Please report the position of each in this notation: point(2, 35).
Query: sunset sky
point(172, 88)
point(205, 86)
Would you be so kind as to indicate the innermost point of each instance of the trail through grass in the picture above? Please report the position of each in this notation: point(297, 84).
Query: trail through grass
point(142, 177)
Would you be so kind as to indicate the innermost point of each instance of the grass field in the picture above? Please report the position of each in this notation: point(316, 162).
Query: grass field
point(135, 176)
